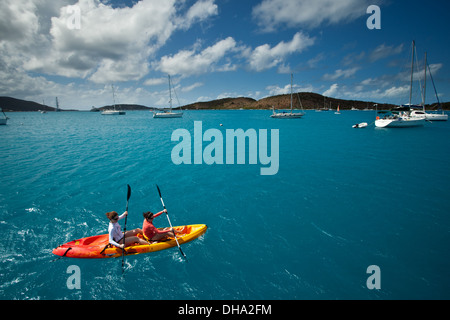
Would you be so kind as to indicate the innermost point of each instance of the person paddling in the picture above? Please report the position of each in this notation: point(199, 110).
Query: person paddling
point(116, 234)
point(150, 232)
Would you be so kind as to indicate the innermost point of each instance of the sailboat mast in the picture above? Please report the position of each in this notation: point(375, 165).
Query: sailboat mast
point(114, 97)
point(412, 73)
point(435, 91)
point(170, 95)
point(292, 76)
point(424, 83)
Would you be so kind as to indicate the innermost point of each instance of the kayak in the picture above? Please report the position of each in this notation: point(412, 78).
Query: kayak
point(96, 247)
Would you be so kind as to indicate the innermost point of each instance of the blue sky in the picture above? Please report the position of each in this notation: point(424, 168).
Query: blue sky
point(215, 49)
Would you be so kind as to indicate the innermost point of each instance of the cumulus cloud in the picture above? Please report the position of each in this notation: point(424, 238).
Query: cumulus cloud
point(112, 43)
point(271, 14)
point(265, 57)
point(276, 90)
point(394, 93)
point(200, 11)
point(191, 62)
point(331, 91)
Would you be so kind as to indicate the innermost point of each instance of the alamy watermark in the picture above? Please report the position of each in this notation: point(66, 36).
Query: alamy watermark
point(374, 21)
point(74, 280)
point(374, 280)
point(215, 153)
point(74, 20)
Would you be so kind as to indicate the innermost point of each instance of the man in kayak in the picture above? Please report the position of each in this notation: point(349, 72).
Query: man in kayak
point(150, 232)
point(116, 234)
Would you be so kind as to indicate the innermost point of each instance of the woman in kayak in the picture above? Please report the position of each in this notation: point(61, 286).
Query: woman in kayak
point(116, 234)
point(150, 232)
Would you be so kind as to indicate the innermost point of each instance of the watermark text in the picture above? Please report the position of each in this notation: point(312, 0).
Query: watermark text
point(374, 21)
point(374, 281)
point(74, 19)
point(216, 153)
point(74, 280)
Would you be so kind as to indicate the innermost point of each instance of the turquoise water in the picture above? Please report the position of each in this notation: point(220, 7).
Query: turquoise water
point(343, 199)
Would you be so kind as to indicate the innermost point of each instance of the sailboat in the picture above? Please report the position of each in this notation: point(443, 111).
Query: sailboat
point(400, 117)
point(5, 120)
point(337, 111)
point(169, 114)
point(57, 105)
point(437, 116)
point(113, 112)
point(287, 115)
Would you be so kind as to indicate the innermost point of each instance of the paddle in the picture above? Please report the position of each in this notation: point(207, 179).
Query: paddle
point(167, 214)
point(125, 227)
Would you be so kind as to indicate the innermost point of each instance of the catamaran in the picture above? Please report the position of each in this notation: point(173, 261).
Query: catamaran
point(288, 115)
point(169, 114)
point(435, 116)
point(401, 117)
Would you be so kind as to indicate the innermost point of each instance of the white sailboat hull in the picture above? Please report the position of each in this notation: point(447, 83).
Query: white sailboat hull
point(287, 115)
point(3, 121)
point(167, 114)
point(399, 123)
point(436, 117)
point(113, 113)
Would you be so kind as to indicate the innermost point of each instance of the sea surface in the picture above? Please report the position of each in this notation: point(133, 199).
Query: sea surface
point(343, 200)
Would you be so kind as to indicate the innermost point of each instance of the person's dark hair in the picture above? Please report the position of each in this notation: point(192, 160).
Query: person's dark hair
point(111, 214)
point(148, 215)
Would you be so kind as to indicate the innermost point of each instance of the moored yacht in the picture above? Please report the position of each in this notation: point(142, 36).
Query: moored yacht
point(401, 117)
point(287, 115)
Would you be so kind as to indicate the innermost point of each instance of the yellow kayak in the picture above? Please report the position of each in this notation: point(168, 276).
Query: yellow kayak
point(96, 247)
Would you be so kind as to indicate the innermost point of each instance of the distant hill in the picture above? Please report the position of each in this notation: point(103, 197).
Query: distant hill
point(12, 104)
point(17, 105)
point(308, 100)
point(123, 107)
point(227, 103)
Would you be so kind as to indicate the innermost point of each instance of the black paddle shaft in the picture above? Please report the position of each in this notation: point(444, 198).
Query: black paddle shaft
point(170, 223)
point(125, 227)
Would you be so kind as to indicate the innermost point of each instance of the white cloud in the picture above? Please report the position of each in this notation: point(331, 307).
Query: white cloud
point(155, 81)
point(264, 57)
point(394, 93)
point(18, 20)
point(201, 10)
point(340, 73)
point(276, 90)
point(189, 62)
point(384, 51)
point(331, 91)
point(192, 87)
point(271, 14)
point(112, 44)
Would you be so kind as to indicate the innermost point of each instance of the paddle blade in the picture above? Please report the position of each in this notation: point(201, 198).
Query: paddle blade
point(159, 191)
point(129, 192)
